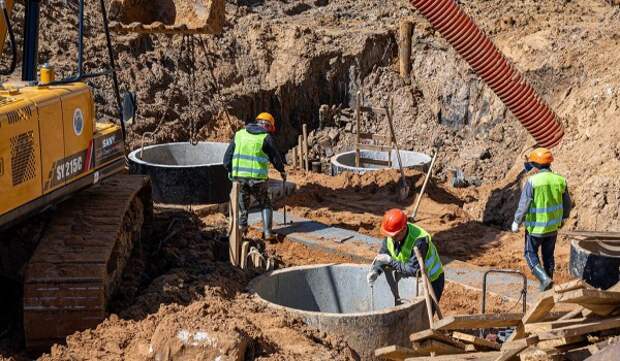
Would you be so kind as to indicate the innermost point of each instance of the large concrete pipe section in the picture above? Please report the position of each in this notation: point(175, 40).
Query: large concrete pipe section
point(337, 300)
point(182, 173)
point(484, 57)
point(345, 162)
point(596, 262)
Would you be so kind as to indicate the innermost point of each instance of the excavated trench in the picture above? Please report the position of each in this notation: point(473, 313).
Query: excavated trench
point(337, 300)
point(330, 78)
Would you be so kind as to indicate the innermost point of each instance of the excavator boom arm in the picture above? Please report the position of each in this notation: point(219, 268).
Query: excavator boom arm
point(4, 27)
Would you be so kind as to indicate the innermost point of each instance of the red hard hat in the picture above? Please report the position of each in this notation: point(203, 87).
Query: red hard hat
point(394, 221)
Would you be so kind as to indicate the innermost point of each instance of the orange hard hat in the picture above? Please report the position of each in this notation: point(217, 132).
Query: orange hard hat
point(541, 156)
point(269, 120)
point(394, 221)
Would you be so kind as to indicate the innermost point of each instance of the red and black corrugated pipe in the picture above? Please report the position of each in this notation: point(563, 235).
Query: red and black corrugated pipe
point(484, 57)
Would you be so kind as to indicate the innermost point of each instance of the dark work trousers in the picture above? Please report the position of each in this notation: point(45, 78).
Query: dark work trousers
point(438, 285)
point(252, 188)
point(547, 245)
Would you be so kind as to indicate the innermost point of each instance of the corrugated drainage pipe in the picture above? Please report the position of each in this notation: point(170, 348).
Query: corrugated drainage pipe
point(486, 60)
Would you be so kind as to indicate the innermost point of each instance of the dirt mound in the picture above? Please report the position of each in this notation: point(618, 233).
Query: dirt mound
point(180, 303)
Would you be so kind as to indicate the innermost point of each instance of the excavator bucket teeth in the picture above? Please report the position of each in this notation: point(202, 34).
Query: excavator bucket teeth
point(167, 16)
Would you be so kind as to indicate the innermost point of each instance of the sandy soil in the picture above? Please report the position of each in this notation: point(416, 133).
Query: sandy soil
point(358, 202)
point(289, 58)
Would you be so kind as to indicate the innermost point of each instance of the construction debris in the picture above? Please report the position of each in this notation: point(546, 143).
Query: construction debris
point(539, 334)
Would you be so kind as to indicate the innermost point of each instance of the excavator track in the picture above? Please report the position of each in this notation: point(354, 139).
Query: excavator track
point(78, 264)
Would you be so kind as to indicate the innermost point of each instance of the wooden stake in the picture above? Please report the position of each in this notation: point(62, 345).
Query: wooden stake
point(427, 285)
point(294, 157)
point(300, 150)
point(358, 122)
point(404, 52)
point(428, 176)
point(305, 139)
point(234, 236)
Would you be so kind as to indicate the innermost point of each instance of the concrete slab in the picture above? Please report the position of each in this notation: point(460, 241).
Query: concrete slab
point(327, 239)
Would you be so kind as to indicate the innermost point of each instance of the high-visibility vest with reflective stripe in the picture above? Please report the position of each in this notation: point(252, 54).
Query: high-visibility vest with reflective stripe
point(546, 209)
point(249, 160)
point(432, 263)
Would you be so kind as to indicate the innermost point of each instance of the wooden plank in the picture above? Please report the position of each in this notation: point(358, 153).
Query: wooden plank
point(375, 162)
point(375, 147)
point(509, 354)
point(600, 310)
point(429, 347)
point(518, 333)
point(514, 348)
point(590, 234)
point(559, 342)
point(536, 354)
point(571, 286)
point(582, 329)
point(404, 49)
point(300, 151)
point(467, 322)
point(572, 314)
point(395, 353)
point(435, 335)
point(582, 353)
point(541, 308)
point(524, 342)
point(553, 325)
point(478, 356)
point(589, 296)
point(376, 137)
point(304, 131)
point(234, 233)
point(477, 341)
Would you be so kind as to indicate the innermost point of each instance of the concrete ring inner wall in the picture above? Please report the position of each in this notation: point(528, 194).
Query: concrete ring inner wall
point(346, 161)
point(336, 299)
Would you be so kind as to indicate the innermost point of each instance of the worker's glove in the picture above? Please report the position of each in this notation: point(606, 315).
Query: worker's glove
point(515, 227)
point(383, 259)
point(283, 175)
point(563, 222)
point(371, 277)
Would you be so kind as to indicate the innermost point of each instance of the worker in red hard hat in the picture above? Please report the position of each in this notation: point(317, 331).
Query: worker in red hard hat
point(397, 252)
point(544, 207)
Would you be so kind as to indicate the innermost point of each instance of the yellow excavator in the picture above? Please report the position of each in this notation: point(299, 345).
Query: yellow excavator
point(53, 151)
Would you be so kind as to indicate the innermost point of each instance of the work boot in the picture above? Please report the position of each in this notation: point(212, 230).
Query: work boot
point(545, 281)
point(267, 221)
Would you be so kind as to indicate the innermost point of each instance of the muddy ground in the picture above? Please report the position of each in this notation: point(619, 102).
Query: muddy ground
point(290, 58)
point(180, 281)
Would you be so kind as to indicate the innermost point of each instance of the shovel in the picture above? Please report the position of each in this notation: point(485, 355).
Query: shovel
point(404, 187)
point(284, 194)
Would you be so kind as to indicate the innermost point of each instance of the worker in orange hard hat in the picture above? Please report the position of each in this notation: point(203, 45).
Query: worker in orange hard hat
point(397, 252)
point(544, 207)
point(247, 160)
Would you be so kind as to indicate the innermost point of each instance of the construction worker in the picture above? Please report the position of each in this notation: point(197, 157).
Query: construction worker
point(397, 252)
point(544, 206)
point(247, 161)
